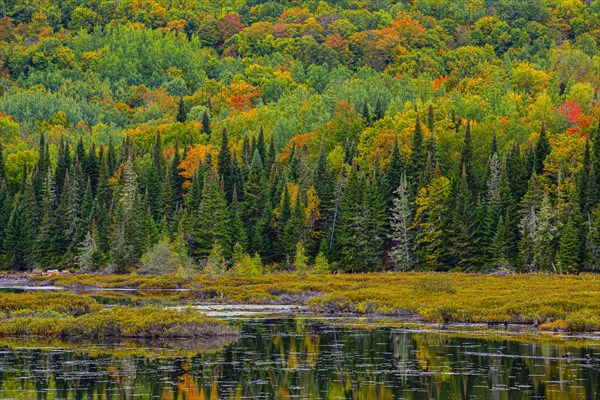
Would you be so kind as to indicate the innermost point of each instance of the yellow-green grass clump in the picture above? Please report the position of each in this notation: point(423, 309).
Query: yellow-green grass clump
point(565, 302)
point(72, 316)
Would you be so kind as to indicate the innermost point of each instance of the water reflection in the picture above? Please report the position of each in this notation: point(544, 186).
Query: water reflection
point(292, 358)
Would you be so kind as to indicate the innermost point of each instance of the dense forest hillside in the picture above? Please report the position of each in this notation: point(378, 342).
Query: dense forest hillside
point(286, 135)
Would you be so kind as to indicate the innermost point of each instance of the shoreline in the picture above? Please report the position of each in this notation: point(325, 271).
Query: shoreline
point(548, 303)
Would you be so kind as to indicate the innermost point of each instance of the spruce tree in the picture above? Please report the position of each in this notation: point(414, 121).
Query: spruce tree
point(379, 111)
point(225, 166)
point(92, 167)
point(206, 129)
point(499, 247)
point(569, 248)
point(417, 161)
point(181, 111)
point(366, 114)
point(324, 183)
point(237, 231)
point(395, 169)
point(211, 221)
point(431, 207)
point(401, 233)
point(362, 225)
point(17, 238)
point(256, 204)
point(430, 119)
point(463, 240)
point(111, 158)
point(542, 149)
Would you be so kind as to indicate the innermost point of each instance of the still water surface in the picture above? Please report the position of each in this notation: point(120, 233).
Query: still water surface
point(298, 358)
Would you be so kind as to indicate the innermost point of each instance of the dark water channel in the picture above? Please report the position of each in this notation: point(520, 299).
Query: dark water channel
point(298, 358)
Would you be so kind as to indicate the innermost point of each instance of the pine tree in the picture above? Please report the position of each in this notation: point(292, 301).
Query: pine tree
point(400, 223)
point(211, 221)
point(2, 164)
point(206, 129)
point(285, 212)
point(379, 111)
point(225, 166)
point(181, 111)
point(430, 119)
point(569, 248)
point(546, 237)
point(194, 197)
point(499, 251)
point(362, 225)
point(16, 241)
point(237, 231)
point(431, 206)
point(256, 203)
point(417, 158)
point(466, 161)
point(300, 261)
point(366, 114)
point(294, 230)
point(62, 166)
point(127, 242)
point(260, 144)
point(463, 240)
point(542, 149)
point(431, 160)
point(111, 158)
point(395, 170)
point(321, 266)
point(92, 167)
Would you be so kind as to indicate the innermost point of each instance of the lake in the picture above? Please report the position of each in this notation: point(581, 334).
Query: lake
point(302, 357)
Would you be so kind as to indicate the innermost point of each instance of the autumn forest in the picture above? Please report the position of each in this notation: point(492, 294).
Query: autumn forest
point(246, 137)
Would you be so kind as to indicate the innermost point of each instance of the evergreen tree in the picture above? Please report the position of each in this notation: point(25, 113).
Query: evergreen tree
point(2, 164)
point(324, 183)
point(401, 232)
point(417, 158)
point(366, 114)
point(92, 167)
point(569, 249)
point(62, 166)
point(546, 237)
point(225, 167)
point(395, 169)
point(430, 119)
point(127, 242)
point(237, 231)
point(542, 149)
point(256, 204)
point(260, 144)
point(17, 238)
point(111, 158)
point(362, 225)
point(466, 161)
point(211, 221)
point(181, 111)
point(463, 240)
point(176, 180)
point(379, 111)
point(300, 261)
point(431, 206)
point(499, 250)
point(206, 129)
point(294, 229)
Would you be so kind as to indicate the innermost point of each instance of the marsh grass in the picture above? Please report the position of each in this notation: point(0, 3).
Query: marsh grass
point(550, 300)
point(75, 316)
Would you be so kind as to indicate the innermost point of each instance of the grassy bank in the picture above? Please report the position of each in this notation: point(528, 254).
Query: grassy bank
point(556, 302)
point(73, 316)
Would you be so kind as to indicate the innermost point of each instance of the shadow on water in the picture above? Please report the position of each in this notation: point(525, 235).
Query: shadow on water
point(298, 358)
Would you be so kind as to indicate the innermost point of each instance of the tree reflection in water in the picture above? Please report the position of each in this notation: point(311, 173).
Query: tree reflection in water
point(294, 358)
